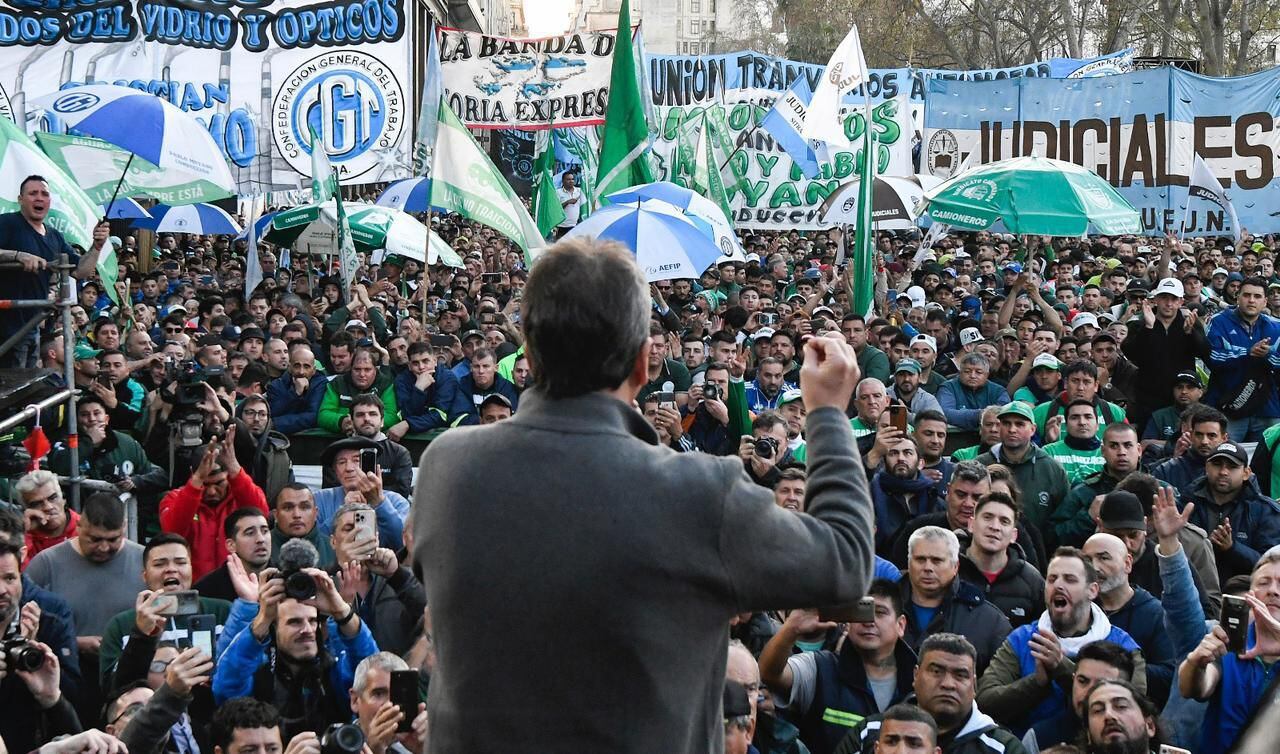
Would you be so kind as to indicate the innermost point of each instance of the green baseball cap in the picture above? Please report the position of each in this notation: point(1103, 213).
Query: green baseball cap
point(1017, 408)
point(83, 351)
point(789, 396)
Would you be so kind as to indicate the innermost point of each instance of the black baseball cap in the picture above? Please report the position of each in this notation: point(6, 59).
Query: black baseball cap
point(1121, 509)
point(1188, 378)
point(1232, 451)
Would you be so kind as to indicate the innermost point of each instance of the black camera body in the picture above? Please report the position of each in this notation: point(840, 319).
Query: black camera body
point(766, 447)
point(298, 585)
point(19, 653)
point(711, 392)
point(342, 738)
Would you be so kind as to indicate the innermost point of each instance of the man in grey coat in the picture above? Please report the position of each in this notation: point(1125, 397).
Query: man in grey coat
point(582, 578)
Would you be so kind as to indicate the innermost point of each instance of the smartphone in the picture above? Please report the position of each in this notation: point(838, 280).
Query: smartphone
point(766, 318)
point(200, 628)
point(1235, 621)
point(1144, 249)
point(441, 341)
point(1167, 749)
point(366, 525)
point(186, 602)
point(898, 417)
point(369, 460)
point(404, 694)
point(488, 319)
point(862, 611)
point(491, 276)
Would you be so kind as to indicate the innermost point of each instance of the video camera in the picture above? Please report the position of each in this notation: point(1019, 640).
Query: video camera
point(186, 424)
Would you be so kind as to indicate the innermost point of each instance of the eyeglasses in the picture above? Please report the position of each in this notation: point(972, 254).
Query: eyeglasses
point(159, 666)
point(173, 329)
point(129, 711)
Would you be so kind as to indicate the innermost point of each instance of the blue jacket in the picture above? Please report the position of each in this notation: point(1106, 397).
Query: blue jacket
point(1179, 473)
point(472, 397)
point(1255, 524)
point(963, 406)
point(244, 655)
point(1229, 342)
point(434, 407)
point(1239, 692)
point(57, 629)
point(290, 412)
point(1143, 619)
point(1020, 642)
point(892, 515)
point(757, 401)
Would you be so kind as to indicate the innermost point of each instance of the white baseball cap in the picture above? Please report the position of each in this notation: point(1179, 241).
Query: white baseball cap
point(970, 335)
point(916, 294)
point(1171, 286)
point(1082, 319)
point(928, 340)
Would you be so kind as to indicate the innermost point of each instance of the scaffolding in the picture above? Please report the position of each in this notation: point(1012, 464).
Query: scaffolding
point(62, 304)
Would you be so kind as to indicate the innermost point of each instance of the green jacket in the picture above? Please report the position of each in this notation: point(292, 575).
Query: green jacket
point(874, 363)
point(1107, 412)
point(1043, 482)
point(119, 627)
point(966, 454)
point(118, 456)
point(339, 394)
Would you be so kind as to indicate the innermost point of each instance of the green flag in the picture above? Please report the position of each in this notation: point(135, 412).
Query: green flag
point(465, 180)
point(324, 181)
point(97, 166)
point(724, 142)
point(706, 172)
point(626, 133)
point(547, 210)
point(109, 271)
point(72, 213)
point(862, 282)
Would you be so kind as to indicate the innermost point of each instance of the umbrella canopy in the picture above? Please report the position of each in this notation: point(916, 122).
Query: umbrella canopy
point(696, 206)
point(98, 167)
point(1033, 195)
point(409, 195)
point(125, 208)
point(895, 201)
point(190, 218)
point(259, 227)
point(666, 242)
point(312, 228)
point(142, 124)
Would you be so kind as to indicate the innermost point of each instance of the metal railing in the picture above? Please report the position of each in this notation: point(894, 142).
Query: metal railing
point(63, 303)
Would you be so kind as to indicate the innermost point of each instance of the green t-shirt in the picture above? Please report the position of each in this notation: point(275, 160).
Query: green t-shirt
point(1116, 414)
point(1077, 463)
point(966, 454)
point(674, 372)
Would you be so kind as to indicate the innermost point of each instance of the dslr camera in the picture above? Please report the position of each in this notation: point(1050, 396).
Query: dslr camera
point(342, 738)
point(20, 654)
point(298, 585)
point(765, 447)
point(711, 392)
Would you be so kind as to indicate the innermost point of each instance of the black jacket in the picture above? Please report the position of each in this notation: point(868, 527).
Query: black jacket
point(1255, 524)
point(963, 611)
point(397, 468)
point(1029, 539)
point(1160, 353)
point(1018, 591)
point(841, 688)
point(1143, 618)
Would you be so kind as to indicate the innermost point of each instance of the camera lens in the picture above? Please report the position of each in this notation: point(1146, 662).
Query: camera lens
point(764, 447)
point(299, 586)
point(342, 738)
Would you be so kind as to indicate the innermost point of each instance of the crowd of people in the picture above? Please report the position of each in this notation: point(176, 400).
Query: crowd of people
point(1067, 448)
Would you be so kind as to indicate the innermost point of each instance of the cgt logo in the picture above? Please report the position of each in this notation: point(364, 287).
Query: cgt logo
point(356, 105)
point(75, 102)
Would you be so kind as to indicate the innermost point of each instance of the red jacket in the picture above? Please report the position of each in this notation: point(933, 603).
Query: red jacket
point(182, 512)
point(36, 543)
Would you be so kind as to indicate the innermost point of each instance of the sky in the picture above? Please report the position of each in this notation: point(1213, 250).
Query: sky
point(547, 18)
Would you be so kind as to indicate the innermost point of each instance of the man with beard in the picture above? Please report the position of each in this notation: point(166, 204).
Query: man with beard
point(296, 518)
point(1073, 521)
point(270, 466)
point(1080, 448)
point(924, 349)
point(994, 563)
point(1241, 521)
point(1121, 720)
point(900, 493)
point(907, 389)
point(1042, 480)
point(249, 542)
point(365, 379)
point(944, 682)
point(295, 397)
point(828, 692)
point(1134, 610)
point(768, 386)
point(931, 437)
point(1095, 663)
point(1203, 431)
point(1024, 683)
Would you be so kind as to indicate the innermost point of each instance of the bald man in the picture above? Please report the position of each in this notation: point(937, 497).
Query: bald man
point(1133, 609)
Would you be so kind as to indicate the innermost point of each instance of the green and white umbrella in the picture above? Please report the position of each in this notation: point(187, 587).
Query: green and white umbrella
point(313, 229)
point(1034, 196)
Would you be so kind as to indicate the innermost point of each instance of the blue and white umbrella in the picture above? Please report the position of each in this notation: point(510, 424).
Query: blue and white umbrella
point(125, 208)
point(259, 227)
point(190, 218)
point(142, 124)
point(666, 242)
point(408, 195)
point(696, 206)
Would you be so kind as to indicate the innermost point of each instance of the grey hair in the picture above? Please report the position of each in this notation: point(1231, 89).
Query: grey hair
point(741, 722)
point(934, 534)
point(976, 359)
point(586, 315)
point(988, 411)
point(970, 471)
point(34, 481)
point(346, 508)
point(869, 381)
point(383, 660)
point(1272, 555)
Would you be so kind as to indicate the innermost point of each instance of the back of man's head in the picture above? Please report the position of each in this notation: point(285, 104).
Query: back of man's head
point(586, 317)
